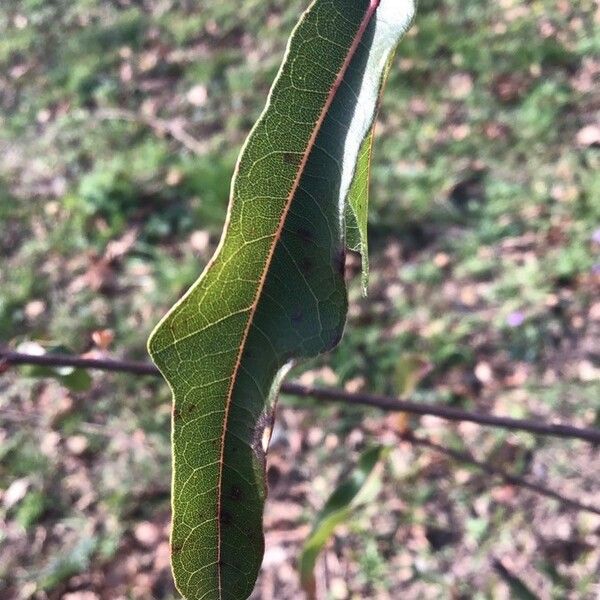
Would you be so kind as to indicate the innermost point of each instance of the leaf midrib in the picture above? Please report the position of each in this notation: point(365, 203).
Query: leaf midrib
point(290, 197)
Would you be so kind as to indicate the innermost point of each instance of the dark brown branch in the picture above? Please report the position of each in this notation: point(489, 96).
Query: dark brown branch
point(385, 403)
point(516, 480)
point(64, 360)
point(449, 413)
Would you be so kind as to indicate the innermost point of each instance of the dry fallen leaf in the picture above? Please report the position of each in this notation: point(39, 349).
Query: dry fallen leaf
point(81, 595)
point(147, 534)
point(34, 309)
point(77, 444)
point(16, 492)
point(461, 85)
point(483, 372)
point(103, 338)
point(197, 95)
point(588, 136)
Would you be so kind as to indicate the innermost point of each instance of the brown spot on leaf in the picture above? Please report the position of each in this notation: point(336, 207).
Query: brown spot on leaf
point(226, 517)
point(235, 493)
point(307, 266)
point(175, 548)
point(291, 158)
point(250, 534)
point(305, 234)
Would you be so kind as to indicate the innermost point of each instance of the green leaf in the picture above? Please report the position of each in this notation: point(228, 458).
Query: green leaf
point(31, 509)
point(411, 368)
point(77, 380)
point(273, 292)
point(518, 588)
point(360, 488)
point(69, 561)
point(357, 203)
point(357, 208)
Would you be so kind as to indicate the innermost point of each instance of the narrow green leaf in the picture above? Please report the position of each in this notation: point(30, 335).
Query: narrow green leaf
point(411, 369)
point(273, 292)
point(76, 380)
point(357, 208)
point(360, 488)
point(357, 203)
point(518, 588)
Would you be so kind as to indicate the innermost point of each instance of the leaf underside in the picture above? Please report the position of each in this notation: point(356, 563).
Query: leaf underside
point(357, 201)
point(273, 292)
point(357, 207)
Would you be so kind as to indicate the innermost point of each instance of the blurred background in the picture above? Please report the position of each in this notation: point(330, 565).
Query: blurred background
point(120, 122)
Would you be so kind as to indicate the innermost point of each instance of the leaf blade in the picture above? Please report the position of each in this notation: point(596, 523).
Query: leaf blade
point(357, 202)
point(274, 291)
point(357, 208)
point(361, 487)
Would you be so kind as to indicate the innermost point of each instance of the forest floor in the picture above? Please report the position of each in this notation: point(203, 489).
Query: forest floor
point(120, 123)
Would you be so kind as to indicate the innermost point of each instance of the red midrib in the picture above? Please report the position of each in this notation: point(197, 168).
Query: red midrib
point(331, 95)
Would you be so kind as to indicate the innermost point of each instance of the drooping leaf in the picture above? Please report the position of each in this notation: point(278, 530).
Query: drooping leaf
point(76, 380)
point(357, 208)
point(273, 292)
point(517, 587)
point(360, 488)
point(357, 205)
point(411, 369)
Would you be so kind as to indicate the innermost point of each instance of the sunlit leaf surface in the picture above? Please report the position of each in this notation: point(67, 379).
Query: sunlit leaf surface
point(273, 292)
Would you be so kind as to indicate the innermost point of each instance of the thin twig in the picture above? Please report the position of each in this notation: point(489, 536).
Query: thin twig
point(449, 413)
point(466, 457)
point(83, 362)
point(385, 403)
